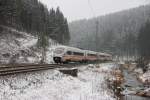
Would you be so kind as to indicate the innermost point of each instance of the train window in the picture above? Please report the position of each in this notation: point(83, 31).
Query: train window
point(102, 56)
point(91, 55)
point(78, 53)
point(69, 52)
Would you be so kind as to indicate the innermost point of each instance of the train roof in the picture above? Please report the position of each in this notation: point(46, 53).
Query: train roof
point(70, 48)
point(106, 54)
point(92, 52)
point(80, 50)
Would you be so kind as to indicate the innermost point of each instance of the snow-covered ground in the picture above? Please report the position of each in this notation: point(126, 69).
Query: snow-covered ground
point(90, 84)
point(145, 78)
point(21, 47)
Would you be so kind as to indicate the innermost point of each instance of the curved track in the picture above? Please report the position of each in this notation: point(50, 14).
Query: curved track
point(7, 69)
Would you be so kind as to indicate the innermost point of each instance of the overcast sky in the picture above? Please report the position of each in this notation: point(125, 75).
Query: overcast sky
point(79, 9)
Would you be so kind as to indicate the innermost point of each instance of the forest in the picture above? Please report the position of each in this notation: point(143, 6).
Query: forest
point(124, 33)
point(33, 17)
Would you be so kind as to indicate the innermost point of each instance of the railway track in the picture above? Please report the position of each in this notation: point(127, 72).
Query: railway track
point(20, 68)
point(7, 69)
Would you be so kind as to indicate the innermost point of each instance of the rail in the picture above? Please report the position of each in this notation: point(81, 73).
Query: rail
point(7, 69)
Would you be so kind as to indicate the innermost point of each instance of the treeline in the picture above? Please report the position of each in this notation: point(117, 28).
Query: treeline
point(143, 46)
point(144, 40)
point(117, 32)
point(34, 17)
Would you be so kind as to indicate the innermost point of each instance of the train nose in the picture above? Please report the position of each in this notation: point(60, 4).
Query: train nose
point(57, 59)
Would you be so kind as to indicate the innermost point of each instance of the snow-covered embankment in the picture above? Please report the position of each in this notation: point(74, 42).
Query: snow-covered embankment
point(90, 84)
point(21, 47)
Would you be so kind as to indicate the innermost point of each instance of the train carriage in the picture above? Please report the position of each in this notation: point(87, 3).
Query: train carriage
point(104, 57)
point(91, 55)
point(65, 54)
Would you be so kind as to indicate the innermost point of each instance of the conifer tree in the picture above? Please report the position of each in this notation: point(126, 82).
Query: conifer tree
point(34, 17)
point(144, 40)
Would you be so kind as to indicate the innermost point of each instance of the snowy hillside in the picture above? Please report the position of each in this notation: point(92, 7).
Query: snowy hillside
point(20, 47)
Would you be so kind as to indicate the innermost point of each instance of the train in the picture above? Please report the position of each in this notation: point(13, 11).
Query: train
point(66, 54)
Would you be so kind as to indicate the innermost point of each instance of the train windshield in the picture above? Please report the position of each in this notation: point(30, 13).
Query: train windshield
point(59, 50)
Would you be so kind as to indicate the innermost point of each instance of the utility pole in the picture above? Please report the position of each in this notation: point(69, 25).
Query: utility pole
point(88, 48)
point(96, 36)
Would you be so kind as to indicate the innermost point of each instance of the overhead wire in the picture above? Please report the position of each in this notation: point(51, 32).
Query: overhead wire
point(91, 7)
point(97, 24)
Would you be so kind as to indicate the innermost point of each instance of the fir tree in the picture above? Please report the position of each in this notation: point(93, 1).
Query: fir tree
point(144, 40)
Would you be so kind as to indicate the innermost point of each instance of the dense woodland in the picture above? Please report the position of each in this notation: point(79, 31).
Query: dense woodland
point(143, 42)
point(34, 17)
point(120, 33)
point(125, 33)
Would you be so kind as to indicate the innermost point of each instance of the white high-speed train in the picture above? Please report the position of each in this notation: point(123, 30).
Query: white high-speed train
point(65, 54)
